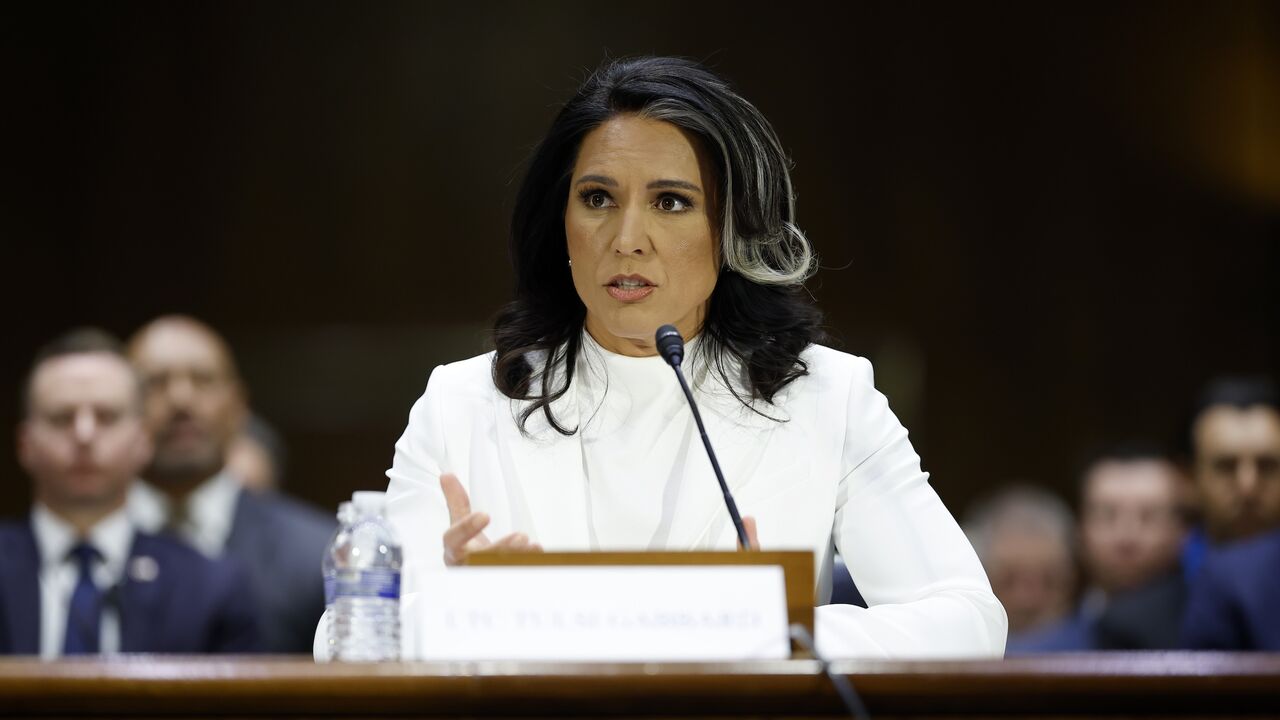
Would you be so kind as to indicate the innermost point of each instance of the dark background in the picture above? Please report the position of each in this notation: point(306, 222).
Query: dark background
point(1047, 224)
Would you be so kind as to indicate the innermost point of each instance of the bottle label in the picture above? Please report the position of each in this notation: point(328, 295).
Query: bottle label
point(367, 584)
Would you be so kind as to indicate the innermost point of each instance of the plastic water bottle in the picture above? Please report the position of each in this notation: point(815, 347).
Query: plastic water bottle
point(366, 587)
point(328, 567)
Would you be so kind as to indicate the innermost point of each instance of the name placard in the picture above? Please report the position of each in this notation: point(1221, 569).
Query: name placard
point(602, 613)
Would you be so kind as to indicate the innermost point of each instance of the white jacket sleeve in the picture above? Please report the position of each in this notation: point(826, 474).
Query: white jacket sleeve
point(416, 506)
point(927, 593)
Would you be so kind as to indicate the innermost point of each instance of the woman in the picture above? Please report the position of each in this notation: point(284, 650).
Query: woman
point(660, 196)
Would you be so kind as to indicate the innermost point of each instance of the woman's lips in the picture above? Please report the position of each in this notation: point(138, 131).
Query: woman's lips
point(629, 288)
point(629, 294)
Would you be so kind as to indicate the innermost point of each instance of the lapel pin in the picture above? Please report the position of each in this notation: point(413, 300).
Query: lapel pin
point(144, 568)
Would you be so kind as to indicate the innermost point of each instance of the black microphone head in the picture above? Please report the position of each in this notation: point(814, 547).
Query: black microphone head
point(670, 344)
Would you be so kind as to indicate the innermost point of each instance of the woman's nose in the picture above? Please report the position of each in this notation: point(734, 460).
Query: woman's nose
point(632, 236)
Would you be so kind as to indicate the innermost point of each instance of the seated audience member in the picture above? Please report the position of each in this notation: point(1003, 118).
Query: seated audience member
point(1024, 537)
point(195, 408)
point(1132, 527)
point(1235, 443)
point(1234, 598)
point(257, 456)
point(76, 578)
point(1235, 594)
point(1131, 531)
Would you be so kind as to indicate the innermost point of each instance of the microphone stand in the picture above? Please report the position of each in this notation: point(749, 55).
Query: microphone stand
point(671, 347)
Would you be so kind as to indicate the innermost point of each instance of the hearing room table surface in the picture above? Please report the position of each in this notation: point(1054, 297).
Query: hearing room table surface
point(1128, 684)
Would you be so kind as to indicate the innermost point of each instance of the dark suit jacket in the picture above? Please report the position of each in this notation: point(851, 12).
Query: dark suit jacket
point(1074, 634)
point(843, 589)
point(1235, 598)
point(281, 542)
point(194, 605)
point(1145, 618)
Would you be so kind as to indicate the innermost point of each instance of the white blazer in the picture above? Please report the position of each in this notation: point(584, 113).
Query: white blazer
point(839, 469)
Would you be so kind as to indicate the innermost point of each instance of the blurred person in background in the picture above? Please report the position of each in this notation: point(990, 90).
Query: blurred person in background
point(1235, 592)
point(196, 407)
point(1025, 538)
point(1132, 527)
point(1235, 445)
point(1234, 597)
point(257, 456)
point(77, 578)
point(1131, 533)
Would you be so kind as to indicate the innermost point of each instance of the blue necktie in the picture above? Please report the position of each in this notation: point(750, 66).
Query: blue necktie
point(84, 616)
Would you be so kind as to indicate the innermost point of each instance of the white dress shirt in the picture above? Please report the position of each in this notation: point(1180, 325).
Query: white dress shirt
point(112, 537)
point(210, 512)
point(830, 465)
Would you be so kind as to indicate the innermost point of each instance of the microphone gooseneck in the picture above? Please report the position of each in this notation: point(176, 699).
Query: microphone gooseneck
point(671, 348)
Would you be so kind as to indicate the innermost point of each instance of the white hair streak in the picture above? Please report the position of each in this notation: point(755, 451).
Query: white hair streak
point(783, 256)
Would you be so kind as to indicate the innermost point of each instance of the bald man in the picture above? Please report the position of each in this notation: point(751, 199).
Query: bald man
point(195, 407)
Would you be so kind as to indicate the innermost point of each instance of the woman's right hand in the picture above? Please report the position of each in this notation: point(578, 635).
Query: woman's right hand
point(466, 528)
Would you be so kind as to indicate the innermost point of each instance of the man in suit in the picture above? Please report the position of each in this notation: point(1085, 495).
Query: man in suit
point(1235, 593)
point(195, 407)
point(1131, 531)
point(76, 578)
point(1132, 526)
point(1235, 440)
point(1235, 596)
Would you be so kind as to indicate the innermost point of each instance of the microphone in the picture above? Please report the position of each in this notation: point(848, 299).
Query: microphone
point(670, 345)
point(671, 348)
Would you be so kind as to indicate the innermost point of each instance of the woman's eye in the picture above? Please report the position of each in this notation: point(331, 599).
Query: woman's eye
point(673, 203)
point(596, 199)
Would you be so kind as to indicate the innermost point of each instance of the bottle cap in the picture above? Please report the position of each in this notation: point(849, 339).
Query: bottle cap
point(368, 502)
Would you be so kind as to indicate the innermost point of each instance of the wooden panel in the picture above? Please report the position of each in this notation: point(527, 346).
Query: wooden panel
point(1154, 684)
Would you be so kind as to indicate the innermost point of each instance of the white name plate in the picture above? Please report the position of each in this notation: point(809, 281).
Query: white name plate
point(603, 613)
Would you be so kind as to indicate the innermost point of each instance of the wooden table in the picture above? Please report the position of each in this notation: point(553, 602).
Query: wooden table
point(1157, 684)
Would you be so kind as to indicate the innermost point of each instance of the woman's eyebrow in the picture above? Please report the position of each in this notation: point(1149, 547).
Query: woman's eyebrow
point(674, 185)
point(655, 185)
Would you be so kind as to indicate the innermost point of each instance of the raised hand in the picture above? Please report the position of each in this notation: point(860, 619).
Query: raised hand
point(466, 528)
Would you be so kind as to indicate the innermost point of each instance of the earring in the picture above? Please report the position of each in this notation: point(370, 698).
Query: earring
point(570, 262)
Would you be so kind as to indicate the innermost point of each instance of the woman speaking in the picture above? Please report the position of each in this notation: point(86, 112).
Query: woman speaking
point(659, 196)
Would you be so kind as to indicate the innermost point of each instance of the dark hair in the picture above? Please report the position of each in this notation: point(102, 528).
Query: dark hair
point(1237, 391)
point(759, 318)
point(80, 341)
